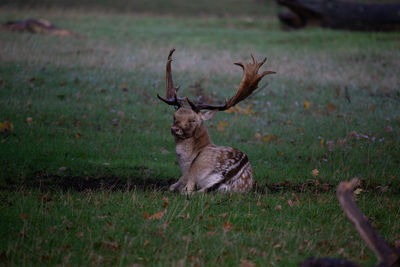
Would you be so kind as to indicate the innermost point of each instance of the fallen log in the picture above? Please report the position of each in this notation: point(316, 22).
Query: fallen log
point(341, 15)
point(35, 26)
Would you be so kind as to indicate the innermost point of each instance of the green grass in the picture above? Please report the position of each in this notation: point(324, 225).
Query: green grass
point(86, 122)
point(205, 230)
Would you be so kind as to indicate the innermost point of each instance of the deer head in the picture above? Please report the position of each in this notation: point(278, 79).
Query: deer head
point(188, 120)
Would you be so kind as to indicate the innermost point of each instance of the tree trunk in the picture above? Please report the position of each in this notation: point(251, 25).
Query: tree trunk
point(341, 15)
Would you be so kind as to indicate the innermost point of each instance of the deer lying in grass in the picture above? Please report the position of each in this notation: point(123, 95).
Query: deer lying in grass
point(386, 256)
point(205, 166)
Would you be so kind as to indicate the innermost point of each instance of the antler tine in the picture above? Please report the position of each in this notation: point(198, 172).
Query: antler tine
point(262, 62)
point(194, 107)
point(174, 101)
point(381, 249)
point(169, 81)
point(171, 97)
point(254, 60)
point(247, 86)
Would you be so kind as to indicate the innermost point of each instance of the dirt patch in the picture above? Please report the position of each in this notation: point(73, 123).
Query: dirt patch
point(53, 182)
point(318, 186)
point(77, 183)
point(287, 186)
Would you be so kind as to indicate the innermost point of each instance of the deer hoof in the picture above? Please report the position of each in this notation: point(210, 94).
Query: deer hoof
point(174, 187)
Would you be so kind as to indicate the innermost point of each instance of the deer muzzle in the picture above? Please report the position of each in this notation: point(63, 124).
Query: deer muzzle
point(176, 131)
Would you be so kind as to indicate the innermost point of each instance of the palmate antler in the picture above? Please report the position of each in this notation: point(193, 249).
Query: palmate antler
point(249, 83)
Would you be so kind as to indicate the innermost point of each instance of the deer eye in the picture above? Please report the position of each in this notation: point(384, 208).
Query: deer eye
point(192, 121)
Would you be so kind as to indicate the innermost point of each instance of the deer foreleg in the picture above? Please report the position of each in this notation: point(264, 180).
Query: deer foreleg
point(190, 186)
point(178, 185)
point(185, 185)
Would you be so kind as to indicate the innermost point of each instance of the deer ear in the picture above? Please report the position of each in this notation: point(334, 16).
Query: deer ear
point(208, 114)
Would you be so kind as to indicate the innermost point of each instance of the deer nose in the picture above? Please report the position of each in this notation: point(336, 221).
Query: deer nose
point(174, 130)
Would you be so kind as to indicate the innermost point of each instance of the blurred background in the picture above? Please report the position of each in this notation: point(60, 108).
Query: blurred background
point(160, 7)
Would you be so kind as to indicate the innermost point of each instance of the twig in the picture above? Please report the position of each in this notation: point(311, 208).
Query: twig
point(364, 228)
point(346, 94)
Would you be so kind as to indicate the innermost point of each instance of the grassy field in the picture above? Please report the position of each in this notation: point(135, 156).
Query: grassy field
point(85, 165)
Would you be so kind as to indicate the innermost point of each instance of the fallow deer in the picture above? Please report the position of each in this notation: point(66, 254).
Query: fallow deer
point(205, 166)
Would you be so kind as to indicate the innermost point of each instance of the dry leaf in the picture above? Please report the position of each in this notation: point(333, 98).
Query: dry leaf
point(166, 202)
point(155, 216)
point(306, 104)
point(181, 263)
point(164, 151)
point(221, 126)
point(185, 217)
point(246, 263)
point(210, 233)
point(231, 110)
point(227, 227)
point(315, 173)
point(223, 215)
point(24, 216)
point(121, 114)
point(272, 137)
point(62, 169)
point(388, 129)
point(248, 110)
point(239, 110)
point(187, 238)
point(290, 202)
point(79, 234)
point(358, 191)
point(111, 245)
point(278, 207)
point(6, 127)
point(29, 120)
point(331, 107)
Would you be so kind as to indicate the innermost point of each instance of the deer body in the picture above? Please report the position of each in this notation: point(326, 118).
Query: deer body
point(205, 166)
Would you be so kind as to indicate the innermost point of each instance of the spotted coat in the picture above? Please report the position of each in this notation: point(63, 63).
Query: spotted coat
point(233, 170)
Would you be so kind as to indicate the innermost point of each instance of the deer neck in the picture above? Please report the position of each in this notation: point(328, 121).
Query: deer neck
point(188, 149)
